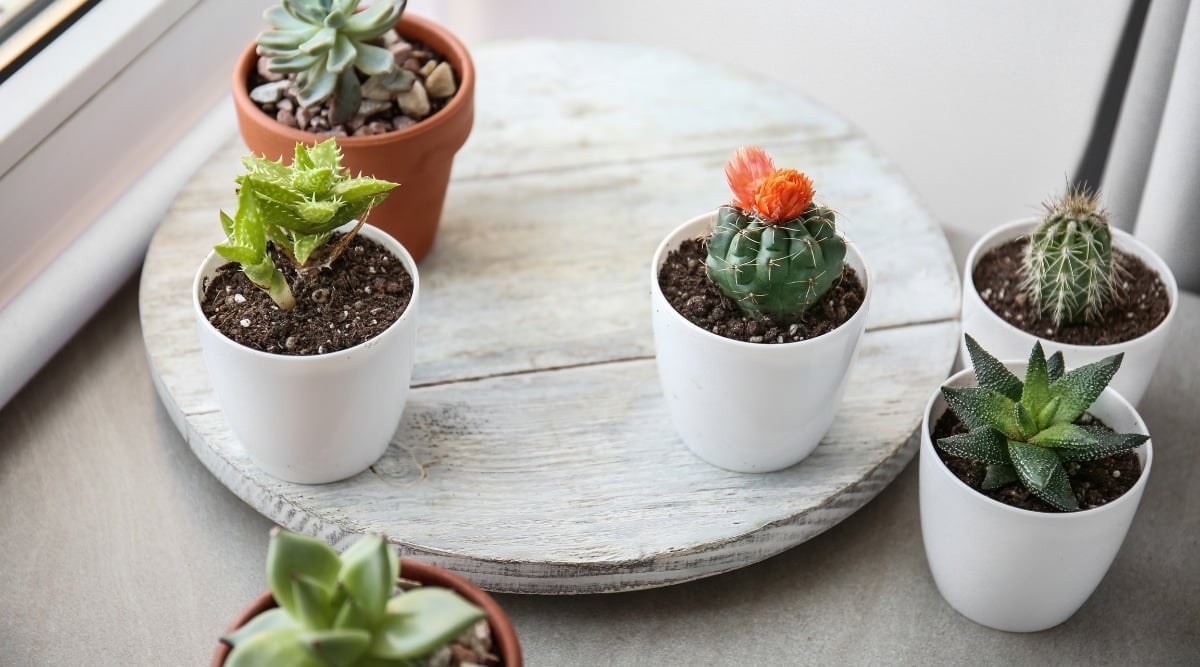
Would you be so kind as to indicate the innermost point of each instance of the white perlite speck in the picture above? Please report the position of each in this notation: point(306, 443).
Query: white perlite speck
point(245, 323)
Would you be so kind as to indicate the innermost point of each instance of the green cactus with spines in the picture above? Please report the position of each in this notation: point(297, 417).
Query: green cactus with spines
point(1068, 268)
point(772, 269)
point(296, 207)
point(340, 610)
point(323, 42)
point(1025, 431)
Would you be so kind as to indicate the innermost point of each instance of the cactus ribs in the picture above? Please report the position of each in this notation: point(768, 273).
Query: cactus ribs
point(686, 286)
point(1142, 306)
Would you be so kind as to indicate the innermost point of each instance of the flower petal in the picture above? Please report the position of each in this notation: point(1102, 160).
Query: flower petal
point(744, 171)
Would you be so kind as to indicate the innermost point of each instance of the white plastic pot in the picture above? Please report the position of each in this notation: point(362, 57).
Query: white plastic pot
point(749, 407)
point(1014, 569)
point(313, 419)
point(1006, 341)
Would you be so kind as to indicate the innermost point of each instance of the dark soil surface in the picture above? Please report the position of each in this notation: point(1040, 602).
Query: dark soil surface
point(362, 293)
point(687, 288)
point(1141, 306)
point(1095, 483)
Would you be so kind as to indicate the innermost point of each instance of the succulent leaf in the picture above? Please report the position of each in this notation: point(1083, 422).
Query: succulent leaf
point(1026, 424)
point(976, 407)
point(1041, 471)
point(305, 246)
point(311, 599)
point(998, 475)
point(1035, 391)
point(1107, 443)
point(1055, 366)
point(374, 20)
point(983, 444)
point(1065, 435)
point(271, 619)
point(373, 59)
point(990, 373)
point(290, 554)
point(421, 620)
point(336, 648)
point(1078, 388)
point(369, 571)
point(280, 646)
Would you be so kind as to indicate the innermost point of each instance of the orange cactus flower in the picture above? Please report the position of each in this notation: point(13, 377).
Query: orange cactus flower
point(748, 167)
point(783, 195)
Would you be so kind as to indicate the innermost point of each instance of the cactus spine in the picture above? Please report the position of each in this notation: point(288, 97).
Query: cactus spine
point(772, 250)
point(1068, 268)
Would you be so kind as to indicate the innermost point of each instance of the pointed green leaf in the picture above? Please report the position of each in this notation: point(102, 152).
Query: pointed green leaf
point(337, 648)
point(1025, 421)
point(998, 476)
point(1080, 387)
point(271, 189)
point(311, 11)
point(320, 42)
point(271, 619)
point(1036, 390)
point(341, 56)
point(290, 554)
point(983, 444)
point(262, 169)
point(368, 576)
point(362, 187)
point(226, 224)
point(1046, 416)
point(243, 256)
point(291, 64)
point(273, 647)
point(312, 602)
point(349, 613)
point(326, 155)
point(276, 214)
point(1058, 491)
point(373, 59)
point(1106, 444)
point(976, 406)
point(316, 181)
point(990, 373)
point(286, 39)
point(301, 160)
point(306, 245)
point(1067, 436)
point(421, 621)
point(1034, 464)
point(1055, 366)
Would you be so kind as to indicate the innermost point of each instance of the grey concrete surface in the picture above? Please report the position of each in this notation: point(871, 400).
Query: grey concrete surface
point(118, 548)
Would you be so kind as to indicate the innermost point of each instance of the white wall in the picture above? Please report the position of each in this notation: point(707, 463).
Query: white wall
point(985, 106)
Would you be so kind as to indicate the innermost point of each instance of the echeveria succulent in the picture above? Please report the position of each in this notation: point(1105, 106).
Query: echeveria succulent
point(1025, 431)
point(340, 610)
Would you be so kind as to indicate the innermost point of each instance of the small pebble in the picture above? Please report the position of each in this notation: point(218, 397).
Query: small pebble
point(1116, 473)
point(290, 343)
point(238, 298)
point(439, 81)
point(320, 295)
point(244, 322)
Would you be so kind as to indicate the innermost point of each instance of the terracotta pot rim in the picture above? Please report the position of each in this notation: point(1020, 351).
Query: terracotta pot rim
point(956, 379)
point(1122, 240)
point(445, 42)
point(660, 256)
point(503, 632)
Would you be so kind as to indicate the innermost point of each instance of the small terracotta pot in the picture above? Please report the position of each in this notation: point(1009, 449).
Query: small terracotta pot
point(503, 633)
point(418, 157)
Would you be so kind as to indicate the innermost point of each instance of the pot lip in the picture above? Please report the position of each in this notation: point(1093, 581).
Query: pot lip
point(453, 49)
point(961, 379)
point(503, 631)
point(369, 231)
point(855, 321)
point(1121, 239)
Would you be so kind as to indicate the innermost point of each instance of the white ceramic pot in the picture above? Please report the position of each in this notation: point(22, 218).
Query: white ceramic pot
point(313, 419)
point(1014, 569)
point(1004, 341)
point(749, 407)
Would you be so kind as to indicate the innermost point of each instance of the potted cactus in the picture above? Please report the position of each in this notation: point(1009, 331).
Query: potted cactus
point(307, 318)
point(396, 90)
point(1074, 283)
point(763, 298)
point(365, 607)
point(1027, 488)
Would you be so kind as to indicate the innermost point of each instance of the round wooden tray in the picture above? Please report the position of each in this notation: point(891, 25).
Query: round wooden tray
point(535, 454)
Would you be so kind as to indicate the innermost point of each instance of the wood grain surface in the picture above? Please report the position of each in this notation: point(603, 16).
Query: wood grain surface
point(536, 454)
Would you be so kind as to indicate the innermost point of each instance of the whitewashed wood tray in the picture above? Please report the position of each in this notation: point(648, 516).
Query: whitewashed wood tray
point(535, 454)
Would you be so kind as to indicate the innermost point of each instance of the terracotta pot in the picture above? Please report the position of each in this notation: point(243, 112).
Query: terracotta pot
point(418, 157)
point(503, 634)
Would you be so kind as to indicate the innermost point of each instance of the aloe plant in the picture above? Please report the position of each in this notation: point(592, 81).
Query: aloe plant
point(296, 208)
point(339, 610)
point(1025, 431)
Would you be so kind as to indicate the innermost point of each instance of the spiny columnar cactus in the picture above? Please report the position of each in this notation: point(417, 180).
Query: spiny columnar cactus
point(340, 610)
point(296, 207)
point(772, 250)
point(324, 41)
point(1024, 431)
point(1068, 269)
